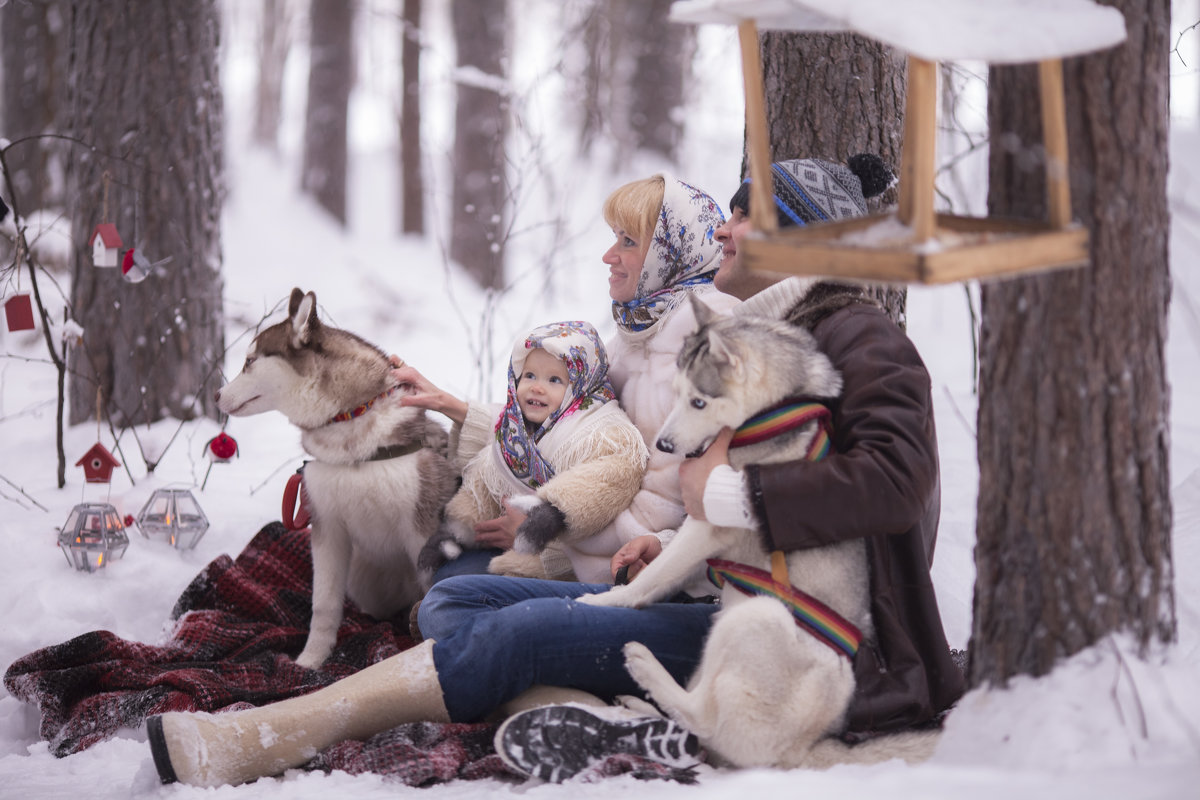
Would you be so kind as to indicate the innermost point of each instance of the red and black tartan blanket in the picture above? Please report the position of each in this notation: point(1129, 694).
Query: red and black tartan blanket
point(238, 626)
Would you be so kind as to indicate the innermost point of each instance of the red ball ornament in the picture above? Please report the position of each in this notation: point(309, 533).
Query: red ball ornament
point(222, 447)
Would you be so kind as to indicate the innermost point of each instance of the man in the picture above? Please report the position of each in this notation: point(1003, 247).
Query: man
point(490, 639)
point(879, 483)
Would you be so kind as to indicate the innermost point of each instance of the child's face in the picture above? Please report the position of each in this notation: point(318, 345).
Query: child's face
point(625, 260)
point(541, 386)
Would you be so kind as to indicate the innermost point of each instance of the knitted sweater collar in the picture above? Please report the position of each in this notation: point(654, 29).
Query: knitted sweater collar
point(803, 301)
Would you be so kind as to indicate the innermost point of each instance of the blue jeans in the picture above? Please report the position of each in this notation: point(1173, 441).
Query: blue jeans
point(469, 562)
point(496, 636)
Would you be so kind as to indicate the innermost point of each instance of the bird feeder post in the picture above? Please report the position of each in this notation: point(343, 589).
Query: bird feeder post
point(1054, 135)
point(761, 207)
point(918, 157)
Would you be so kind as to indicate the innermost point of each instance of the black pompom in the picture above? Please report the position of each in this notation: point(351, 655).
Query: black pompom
point(872, 172)
point(542, 524)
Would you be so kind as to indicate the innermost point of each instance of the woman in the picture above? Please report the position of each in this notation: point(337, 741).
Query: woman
point(664, 250)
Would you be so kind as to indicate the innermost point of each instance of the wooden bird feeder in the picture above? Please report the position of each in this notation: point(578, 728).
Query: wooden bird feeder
point(914, 244)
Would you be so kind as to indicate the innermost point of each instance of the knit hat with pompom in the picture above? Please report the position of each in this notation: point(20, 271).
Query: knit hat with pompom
point(811, 190)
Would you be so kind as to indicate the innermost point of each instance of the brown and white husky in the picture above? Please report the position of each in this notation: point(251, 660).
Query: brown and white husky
point(379, 477)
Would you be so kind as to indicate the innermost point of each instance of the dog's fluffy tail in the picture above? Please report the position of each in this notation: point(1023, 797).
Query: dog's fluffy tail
point(911, 746)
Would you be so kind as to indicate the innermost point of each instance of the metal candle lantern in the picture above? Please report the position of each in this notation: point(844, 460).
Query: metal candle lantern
point(93, 535)
point(173, 515)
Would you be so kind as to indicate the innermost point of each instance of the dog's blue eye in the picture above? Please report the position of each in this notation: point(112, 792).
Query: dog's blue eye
point(698, 403)
point(249, 361)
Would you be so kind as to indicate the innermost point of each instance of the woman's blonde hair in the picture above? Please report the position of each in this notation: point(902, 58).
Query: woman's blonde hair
point(634, 208)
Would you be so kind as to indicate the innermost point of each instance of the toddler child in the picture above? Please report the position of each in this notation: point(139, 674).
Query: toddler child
point(561, 451)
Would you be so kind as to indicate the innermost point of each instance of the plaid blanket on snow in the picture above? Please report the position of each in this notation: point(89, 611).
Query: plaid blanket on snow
point(239, 623)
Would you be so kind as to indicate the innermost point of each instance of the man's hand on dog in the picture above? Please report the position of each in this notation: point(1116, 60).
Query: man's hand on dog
point(694, 472)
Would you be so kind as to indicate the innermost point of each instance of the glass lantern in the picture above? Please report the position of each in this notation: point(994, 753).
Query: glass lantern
point(174, 516)
point(93, 535)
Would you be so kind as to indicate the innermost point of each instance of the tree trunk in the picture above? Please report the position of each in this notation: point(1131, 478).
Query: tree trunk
point(330, 79)
point(33, 65)
point(831, 97)
point(145, 94)
point(273, 44)
point(635, 77)
point(1074, 518)
point(412, 180)
point(480, 131)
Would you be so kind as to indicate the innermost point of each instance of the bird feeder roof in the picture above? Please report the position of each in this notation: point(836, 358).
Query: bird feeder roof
point(995, 31)
point(108, 234)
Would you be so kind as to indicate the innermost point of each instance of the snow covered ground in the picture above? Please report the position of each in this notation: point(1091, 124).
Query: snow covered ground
point(1104, 724)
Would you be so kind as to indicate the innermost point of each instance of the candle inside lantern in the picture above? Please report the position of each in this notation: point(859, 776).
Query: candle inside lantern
point(174, 516)
point(93, 535)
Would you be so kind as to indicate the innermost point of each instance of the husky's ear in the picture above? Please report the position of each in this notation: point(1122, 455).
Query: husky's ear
point(304, 319)
point(725, 357)
point(700, 310)
point(294, 301)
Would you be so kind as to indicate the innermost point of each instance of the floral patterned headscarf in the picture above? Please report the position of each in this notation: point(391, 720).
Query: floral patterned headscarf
point(682, 254)
point(576, 344)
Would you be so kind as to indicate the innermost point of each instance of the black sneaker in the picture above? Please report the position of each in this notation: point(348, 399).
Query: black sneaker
point(556, 743)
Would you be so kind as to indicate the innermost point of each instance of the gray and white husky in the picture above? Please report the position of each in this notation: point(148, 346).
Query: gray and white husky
point(379, 477)
point(767, 692)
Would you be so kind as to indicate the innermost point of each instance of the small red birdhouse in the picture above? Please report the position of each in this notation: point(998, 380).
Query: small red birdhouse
point(18, 311)
point(98, 464)
point(105, 244)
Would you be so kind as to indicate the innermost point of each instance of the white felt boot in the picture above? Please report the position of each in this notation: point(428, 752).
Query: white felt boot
point(235, 747)
point(538, 695)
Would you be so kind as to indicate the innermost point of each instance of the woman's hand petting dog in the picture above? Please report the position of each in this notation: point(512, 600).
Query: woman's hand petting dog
point(634, 556)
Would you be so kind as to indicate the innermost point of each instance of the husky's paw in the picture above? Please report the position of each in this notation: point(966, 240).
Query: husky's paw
point(618, 597)
point(641, 665)
point(314, 655)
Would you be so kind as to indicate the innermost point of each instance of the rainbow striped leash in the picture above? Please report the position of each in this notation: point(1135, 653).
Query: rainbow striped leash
point(787, 416)
point(810, 613)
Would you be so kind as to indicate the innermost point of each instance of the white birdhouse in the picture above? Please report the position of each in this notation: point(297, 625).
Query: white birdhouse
point(915, 244)
point(106, 244)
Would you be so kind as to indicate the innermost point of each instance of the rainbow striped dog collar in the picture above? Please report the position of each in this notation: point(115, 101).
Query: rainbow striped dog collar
point(810, 613)
point(787, 416)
